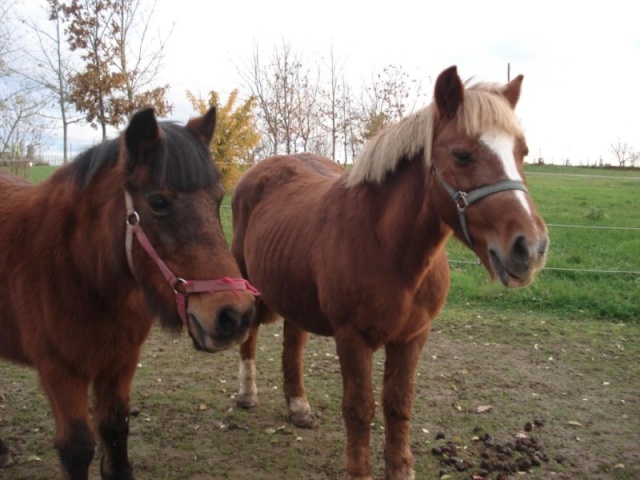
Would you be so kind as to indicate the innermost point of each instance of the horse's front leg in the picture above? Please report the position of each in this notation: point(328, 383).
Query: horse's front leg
point(6, 460)
point(112, 389)
point(397, 400)
point(248, 391)
point(69, 399)
point(358, 405)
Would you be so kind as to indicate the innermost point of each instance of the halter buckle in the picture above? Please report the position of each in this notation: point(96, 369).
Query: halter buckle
point(179, 285)
point(461, 201)
point(133, 218)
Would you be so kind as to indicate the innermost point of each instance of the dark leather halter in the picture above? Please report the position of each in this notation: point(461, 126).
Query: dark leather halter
point(181, 287)
point(464, 199)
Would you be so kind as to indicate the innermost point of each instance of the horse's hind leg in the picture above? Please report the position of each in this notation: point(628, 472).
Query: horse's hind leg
point(69, 401)
point(112, 389)
point(295, 340)
point(5, 456)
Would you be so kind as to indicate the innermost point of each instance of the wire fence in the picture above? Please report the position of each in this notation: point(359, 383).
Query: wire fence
point(54, 160)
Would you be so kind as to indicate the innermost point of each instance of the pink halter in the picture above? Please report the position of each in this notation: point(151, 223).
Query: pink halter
point(181, 287)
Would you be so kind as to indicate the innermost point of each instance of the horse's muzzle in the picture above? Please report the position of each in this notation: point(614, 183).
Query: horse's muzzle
point(518, 266)
point(230, 327)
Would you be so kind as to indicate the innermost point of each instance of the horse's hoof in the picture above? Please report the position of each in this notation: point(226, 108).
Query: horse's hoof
point(6, 460)
point(247, 401)
point(403, 474)
point(304, 419)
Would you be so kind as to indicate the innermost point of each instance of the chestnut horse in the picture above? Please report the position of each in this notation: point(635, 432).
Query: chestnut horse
point(127, 233)
point(360, 255)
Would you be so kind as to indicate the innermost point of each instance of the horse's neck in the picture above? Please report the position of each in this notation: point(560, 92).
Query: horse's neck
point(407, 224)
point(96, 239)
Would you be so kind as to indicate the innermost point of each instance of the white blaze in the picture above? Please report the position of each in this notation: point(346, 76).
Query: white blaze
point(502, 145)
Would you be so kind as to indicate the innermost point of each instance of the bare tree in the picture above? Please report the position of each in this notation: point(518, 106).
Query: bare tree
point(22, 128)
point(349, 116)
point(623, 153)
point(390, 95)
point(306, 110)
point(257, 80)
point(330, 106)
point(52, 67)
point(286, 95)
point(141, 57)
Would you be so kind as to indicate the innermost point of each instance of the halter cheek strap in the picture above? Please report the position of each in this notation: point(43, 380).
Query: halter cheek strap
point(181, 287)
point(464, 199)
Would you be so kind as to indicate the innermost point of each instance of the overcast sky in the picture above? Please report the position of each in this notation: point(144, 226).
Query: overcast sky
point(580, 60)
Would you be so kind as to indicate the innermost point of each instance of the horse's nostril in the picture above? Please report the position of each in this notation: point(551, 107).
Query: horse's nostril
point(247, 317)
point(542, 246)
point(228, 321)
point(520, 249)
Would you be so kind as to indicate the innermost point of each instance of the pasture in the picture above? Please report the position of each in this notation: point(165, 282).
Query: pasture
point(560, 355)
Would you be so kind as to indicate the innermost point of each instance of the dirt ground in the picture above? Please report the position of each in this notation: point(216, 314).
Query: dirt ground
point(494, 389)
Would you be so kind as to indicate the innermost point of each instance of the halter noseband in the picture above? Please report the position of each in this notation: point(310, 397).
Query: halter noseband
point(181, 287)
point(464, 199)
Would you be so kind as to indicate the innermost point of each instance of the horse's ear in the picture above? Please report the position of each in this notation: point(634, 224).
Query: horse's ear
point(511, 91)
point(204, 127)
point(449, 93)
point(142, 134)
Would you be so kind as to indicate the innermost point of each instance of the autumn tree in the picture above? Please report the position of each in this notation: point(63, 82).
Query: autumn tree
point(119, 63)
point(236, 136)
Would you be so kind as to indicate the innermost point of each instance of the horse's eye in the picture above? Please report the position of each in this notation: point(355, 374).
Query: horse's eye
point(159, 203)
point(463, 157)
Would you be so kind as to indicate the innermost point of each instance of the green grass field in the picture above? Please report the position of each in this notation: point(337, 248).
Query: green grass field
point(592, 214)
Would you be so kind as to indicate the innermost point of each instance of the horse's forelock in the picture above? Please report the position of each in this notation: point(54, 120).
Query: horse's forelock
point(485, 107)
point(184, 163)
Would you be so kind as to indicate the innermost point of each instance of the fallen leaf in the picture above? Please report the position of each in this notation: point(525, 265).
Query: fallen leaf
point(203, 406)
point(483, 408)
point(574, 423)
point(34, 458)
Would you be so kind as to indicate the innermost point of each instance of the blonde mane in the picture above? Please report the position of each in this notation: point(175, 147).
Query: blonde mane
point(483, 108)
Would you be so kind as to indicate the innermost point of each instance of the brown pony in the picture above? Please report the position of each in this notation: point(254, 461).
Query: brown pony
point(360, 255)
point(89, 257)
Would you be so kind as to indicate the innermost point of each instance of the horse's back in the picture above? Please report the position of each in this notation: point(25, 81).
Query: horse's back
point(278, 171)
point(284, 185)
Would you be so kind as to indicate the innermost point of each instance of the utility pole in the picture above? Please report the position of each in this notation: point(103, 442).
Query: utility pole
point(508, 72)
